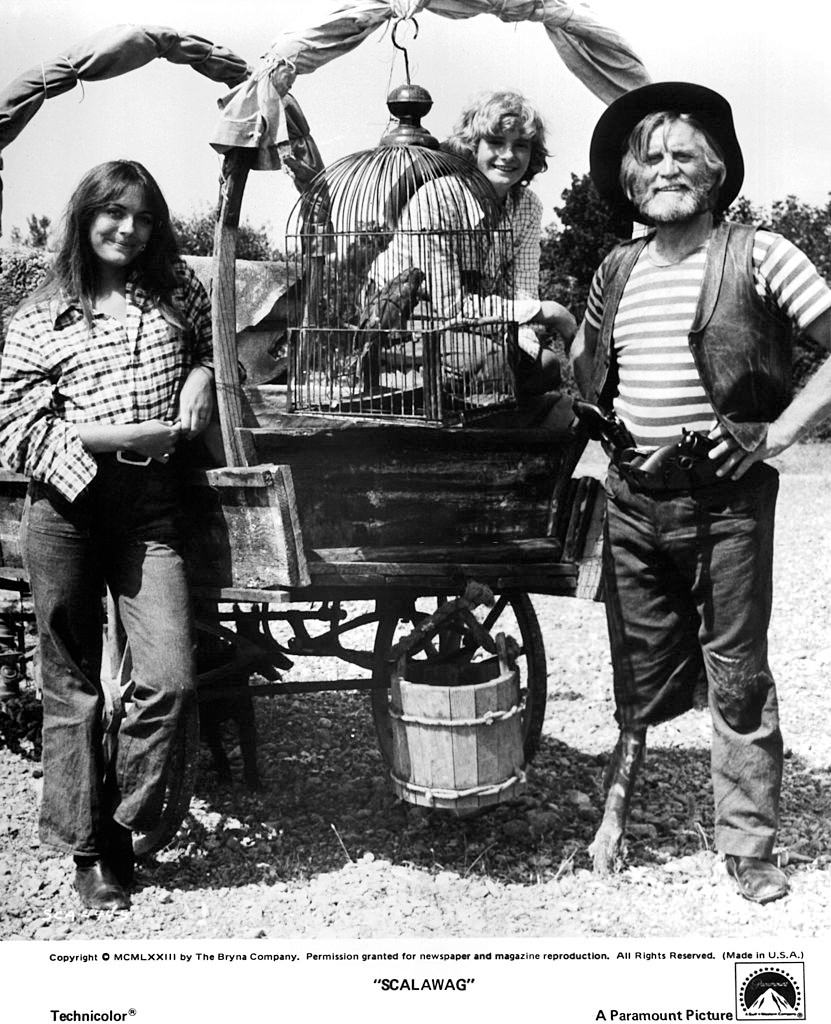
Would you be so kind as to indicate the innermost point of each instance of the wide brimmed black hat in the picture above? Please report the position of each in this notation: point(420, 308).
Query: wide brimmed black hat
point(612, 131)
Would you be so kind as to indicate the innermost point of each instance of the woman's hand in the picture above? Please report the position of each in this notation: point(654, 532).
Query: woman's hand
point(196, 401)
point(153, 439)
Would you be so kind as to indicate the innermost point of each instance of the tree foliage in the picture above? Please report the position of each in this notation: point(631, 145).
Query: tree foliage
point(807, 226)
point(21, 271)
point(196, 237)
point(574, 249)
point(38, 233)
point(194, 231)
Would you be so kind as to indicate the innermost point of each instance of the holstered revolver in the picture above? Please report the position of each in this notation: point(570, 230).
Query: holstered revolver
point(684, 454)
point(673, 466)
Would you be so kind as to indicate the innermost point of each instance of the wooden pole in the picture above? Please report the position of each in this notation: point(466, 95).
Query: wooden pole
point(235, 168)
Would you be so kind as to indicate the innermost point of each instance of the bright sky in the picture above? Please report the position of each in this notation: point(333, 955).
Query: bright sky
point(770, 60)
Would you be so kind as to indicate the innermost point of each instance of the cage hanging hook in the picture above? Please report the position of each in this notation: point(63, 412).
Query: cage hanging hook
point(403, 49)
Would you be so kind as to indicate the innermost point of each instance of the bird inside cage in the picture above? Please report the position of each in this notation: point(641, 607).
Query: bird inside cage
point(449, 238)
point(408, 283)
point(383, 319)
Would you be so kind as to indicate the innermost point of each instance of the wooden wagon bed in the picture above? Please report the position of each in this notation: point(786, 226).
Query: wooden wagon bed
point(340, 513)
point(372, 506)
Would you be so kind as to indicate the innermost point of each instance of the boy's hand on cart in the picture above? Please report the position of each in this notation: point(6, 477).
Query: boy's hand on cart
point(196, 402)
point(552, 314)
point(604, 426)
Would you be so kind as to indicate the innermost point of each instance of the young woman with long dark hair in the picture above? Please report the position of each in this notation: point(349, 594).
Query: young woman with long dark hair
point(106, 368)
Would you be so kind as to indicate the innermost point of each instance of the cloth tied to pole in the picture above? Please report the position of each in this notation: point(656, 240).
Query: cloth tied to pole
point(108, 54)
point(596, 54)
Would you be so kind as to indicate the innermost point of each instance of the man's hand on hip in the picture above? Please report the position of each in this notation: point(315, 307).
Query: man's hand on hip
point(734, 460)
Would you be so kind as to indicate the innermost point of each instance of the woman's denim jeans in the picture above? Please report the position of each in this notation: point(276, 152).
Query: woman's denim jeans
point(688, 583)
point(122, 533)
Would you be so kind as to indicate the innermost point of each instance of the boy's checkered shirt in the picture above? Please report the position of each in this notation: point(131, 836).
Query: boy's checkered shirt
point(56, 371)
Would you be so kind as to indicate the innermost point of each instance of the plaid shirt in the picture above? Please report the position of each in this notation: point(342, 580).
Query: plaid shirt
point(56, 371)
point(524, 208)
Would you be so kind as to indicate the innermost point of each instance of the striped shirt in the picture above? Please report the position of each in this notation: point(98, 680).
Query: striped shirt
point(660, 390)
point(57, 371)
point(440, 231)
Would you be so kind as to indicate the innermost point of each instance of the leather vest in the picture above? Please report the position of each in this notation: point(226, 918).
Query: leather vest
point(742, 350)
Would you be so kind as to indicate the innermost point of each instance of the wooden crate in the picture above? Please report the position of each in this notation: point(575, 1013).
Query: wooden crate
point(242, 529)
point(13, 488)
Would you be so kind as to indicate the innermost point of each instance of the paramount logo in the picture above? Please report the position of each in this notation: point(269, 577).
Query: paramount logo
point(770, 991)
point(770, 1004)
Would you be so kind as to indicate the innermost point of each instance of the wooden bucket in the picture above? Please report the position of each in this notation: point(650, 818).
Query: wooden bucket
point(457, 747)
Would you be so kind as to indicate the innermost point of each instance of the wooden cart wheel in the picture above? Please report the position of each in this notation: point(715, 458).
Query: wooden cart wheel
point(180, 786)
point(512, 614)
point(184, 749)
point(234, 654)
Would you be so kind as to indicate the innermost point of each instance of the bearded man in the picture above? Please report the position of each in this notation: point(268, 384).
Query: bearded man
point(687, 340)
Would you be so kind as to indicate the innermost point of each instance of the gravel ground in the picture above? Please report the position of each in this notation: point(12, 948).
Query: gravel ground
point(325, 850)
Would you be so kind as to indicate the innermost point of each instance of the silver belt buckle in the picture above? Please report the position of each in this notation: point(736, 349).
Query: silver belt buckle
point(132, 460)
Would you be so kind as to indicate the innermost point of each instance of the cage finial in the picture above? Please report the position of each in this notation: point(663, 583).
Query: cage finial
point(408, 104)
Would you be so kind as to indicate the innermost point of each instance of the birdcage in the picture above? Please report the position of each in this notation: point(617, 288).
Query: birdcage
point(406, 263)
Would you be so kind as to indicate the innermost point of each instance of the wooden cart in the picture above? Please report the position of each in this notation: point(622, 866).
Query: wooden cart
point(332, 538)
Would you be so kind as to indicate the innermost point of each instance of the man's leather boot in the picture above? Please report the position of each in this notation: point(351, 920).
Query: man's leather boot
point(758, 880)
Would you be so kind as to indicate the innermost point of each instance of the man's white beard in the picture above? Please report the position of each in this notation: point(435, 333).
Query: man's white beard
point(676, 207)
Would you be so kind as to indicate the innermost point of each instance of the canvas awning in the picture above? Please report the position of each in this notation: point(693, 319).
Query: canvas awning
point(259, 112)
point(123, 48)
point(261, 286)
point(251, 113)
point(107, 54)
